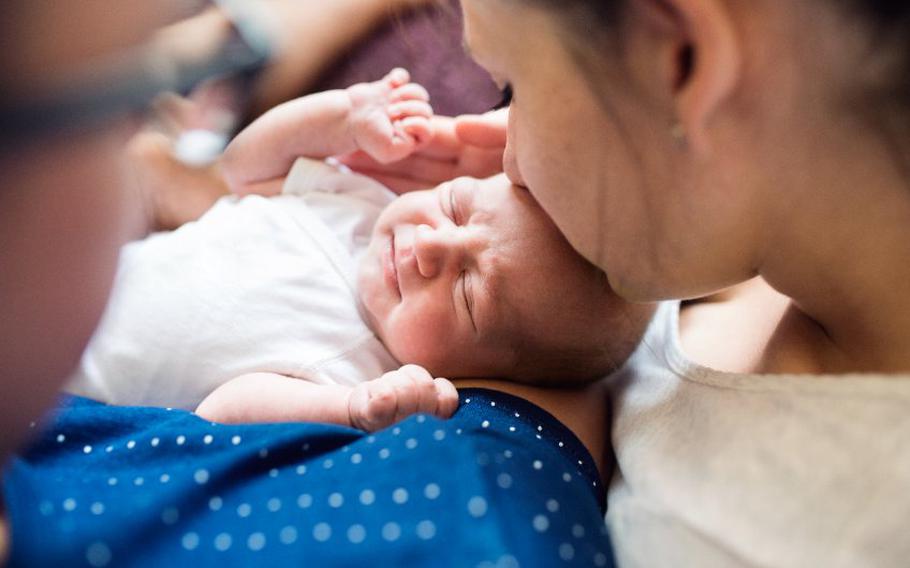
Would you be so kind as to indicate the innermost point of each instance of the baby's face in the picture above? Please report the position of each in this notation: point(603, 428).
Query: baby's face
point(453, 274)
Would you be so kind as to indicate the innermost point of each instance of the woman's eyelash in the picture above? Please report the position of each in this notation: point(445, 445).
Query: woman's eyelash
point(506, 97)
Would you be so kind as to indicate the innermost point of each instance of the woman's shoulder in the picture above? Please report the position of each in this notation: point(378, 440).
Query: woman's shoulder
point(750, 328)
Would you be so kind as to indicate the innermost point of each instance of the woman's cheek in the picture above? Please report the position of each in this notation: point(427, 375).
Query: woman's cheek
point(510, 166)
point(510, 155)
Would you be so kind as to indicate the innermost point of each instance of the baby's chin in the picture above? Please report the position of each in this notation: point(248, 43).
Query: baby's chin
point(446, 364)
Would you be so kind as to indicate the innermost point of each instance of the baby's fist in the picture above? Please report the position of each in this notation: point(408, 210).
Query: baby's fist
point(375, 404)
point(390, 118)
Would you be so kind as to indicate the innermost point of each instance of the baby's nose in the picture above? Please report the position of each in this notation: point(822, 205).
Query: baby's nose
point(434, 249)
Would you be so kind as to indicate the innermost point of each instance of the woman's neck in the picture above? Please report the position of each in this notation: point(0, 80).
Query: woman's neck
point(844, 261)
point(832, 239)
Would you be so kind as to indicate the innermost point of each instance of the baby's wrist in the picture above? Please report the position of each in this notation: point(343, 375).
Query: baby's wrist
point(350, 117)
point(359, 101)
point(349, 404)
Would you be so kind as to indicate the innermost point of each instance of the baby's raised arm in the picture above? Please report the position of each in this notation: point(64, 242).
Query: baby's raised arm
point(388, 119)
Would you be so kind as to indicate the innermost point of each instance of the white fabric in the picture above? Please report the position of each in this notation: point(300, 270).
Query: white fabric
point(256, 284)
point(721, 469)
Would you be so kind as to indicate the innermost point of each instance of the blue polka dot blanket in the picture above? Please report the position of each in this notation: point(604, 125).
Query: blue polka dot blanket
point(501, 484)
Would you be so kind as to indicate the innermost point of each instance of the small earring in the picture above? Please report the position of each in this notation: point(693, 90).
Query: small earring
point(678, 133)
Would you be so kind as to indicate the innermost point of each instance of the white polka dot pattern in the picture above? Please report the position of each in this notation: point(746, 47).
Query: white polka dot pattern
point(516, 455)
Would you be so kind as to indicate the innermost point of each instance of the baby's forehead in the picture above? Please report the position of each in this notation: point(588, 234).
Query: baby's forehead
point(523, 242)
point(530, 285)
point(500, 203)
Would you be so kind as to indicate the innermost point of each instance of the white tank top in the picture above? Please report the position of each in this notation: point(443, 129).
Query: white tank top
point(724, 469)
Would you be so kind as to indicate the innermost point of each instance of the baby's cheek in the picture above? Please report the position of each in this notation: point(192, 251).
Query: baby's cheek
point(424, 344)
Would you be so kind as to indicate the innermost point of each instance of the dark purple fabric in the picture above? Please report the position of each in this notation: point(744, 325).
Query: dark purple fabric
point(428, 44)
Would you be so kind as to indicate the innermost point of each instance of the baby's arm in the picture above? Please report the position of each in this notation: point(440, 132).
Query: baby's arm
point(388, 119)
point(373, 405)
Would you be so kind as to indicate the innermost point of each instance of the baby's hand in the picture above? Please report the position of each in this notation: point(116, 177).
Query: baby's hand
point(398, 394)
point(390, 118)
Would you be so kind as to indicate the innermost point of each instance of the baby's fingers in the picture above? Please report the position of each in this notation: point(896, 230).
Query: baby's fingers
point(405, 109)
point(446, 398)
point(397, 77)
point(408, 135)
point(410, 92)
point(416, 392)
point(418, 129)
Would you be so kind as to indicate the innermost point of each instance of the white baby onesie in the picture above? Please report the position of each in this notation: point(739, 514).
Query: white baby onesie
point(256, 284)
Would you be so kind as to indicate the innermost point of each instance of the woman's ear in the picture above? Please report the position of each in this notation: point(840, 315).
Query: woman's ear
point(697, 63)
point(707, 65)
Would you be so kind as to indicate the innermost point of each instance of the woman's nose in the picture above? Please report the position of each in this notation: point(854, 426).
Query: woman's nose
point(509, 158)
point(435, 249)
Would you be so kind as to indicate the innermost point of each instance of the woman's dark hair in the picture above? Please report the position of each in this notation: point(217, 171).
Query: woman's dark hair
point(588, 22)
point(890, 26)
point(887, 12)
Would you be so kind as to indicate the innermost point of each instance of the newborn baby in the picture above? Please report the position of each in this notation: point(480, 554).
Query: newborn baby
point(299, 301)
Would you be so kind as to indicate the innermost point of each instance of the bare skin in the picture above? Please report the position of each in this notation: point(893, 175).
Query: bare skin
point(843, 273)
point(173, 193)
point(388, 119)
point(369, 406)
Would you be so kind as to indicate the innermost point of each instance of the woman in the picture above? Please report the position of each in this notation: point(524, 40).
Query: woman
point(754, 154)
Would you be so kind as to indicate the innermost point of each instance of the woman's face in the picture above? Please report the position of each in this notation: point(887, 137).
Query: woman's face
point(603, 166)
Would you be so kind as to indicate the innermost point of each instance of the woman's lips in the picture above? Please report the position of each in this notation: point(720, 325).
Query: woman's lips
point(390, 267)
